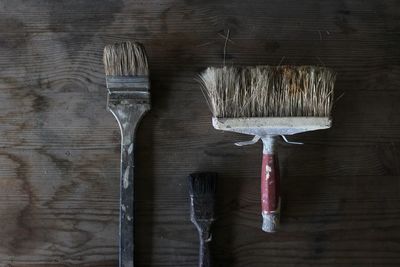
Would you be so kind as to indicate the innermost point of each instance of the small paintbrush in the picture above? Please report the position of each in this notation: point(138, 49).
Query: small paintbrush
point(266, 102)
point(202, 188)
point(127, 78)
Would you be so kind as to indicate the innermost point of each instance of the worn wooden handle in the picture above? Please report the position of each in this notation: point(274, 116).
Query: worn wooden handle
point(270, 195)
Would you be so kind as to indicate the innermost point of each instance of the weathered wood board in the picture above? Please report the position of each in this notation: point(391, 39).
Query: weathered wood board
point(59, 147)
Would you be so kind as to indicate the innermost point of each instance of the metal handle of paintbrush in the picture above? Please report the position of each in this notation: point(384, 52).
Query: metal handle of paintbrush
point(270, 194)
point(128, 117)
point(126, 229)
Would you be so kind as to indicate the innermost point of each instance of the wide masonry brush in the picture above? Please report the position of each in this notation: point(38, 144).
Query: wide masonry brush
point(268, 102)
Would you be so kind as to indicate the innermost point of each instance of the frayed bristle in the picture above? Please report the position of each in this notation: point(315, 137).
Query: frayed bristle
point(266, 91)
point(125, 59)
point(201, 184)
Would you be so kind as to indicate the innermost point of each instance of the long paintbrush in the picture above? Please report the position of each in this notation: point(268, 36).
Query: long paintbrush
point(128, 85)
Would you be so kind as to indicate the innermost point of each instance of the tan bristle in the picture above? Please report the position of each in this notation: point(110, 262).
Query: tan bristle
point(125, 59)
point(266, 91)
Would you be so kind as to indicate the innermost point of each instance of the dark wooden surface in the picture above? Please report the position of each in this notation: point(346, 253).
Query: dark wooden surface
point(59, 147)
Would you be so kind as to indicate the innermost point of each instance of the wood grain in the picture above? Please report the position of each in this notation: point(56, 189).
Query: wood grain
point(59, 147)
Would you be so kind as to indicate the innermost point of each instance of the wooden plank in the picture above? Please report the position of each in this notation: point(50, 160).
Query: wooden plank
point(59, 147)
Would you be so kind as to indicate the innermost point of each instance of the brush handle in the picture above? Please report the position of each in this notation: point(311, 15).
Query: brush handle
point(270, 194)
point(126, 230)
point(128, 117)
point(205, 252)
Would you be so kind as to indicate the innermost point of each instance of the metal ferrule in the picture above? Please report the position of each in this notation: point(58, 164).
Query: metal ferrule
point(270, 221)
point(130, 86)
point(268, 144)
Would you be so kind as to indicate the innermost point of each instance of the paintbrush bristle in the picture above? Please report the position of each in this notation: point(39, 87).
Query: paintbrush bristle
point(266, 91)
point(125, 59)
point(202, 184)
point(202, 188)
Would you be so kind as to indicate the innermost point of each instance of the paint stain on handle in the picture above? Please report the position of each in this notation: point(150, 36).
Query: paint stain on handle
point(126, 178)
point(268, 170)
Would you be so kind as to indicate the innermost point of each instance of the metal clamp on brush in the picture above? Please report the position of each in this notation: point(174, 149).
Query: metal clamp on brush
point(135, 87)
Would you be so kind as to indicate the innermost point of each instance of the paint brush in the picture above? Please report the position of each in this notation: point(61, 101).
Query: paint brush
point(202, 187)
point(267, 102)
point(128, 99)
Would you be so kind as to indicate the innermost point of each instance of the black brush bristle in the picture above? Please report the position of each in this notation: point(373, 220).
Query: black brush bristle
point(201, 184)
point(202, 187)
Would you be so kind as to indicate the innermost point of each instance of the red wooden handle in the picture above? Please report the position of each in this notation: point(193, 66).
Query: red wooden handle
point(270, 195)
